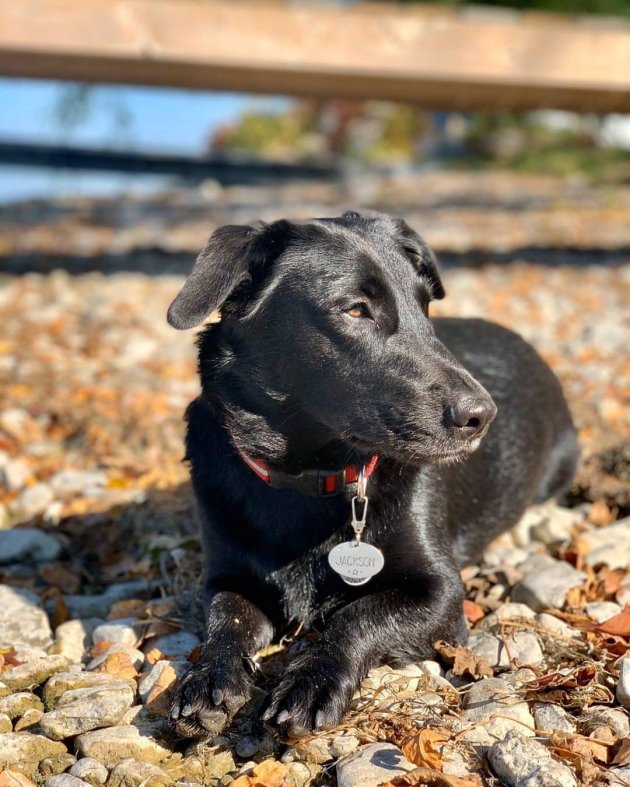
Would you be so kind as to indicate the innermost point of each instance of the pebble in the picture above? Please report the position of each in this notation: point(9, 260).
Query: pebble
point(602, 716)
point(609, 545)
point(74, 638)
point(556, 626)
point(523, 647)
point(15, 705)
point(301, 773)
point(57, 763)
point(548, 586)
point(63, 682)
point(155, 687)
point(342, 745)
point(5, 723)
point(27, 545)
point(490, 647)
point(509, 611)
point(82, 710)
point(495, 703)
point(22, 619)
point(35, 499)
point(70, 483)
point(24, 751)
point(30, 718)
point(372, 765)
point(91, 771)
point(247, 747)
point(124, 631)
point(14, 474)
point(552, 718)
point(132, 773)
point(522, 762)
point(65, 780)
point(623, 687)
point(599, 611)
point(111, 745)
point(33, 672)
point(136, 657)
point(98, 605)
point(178, 644)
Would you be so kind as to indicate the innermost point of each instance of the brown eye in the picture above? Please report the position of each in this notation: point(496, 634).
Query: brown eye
point(359, 311)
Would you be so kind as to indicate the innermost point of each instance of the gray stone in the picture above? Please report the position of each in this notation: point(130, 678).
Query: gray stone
point(552, 718)
point(33, 672)
point(63, 682)
point(508, 611)
point(131, 773)
point(22, 620)
point(493, 705)
point(556, 626)
point(548, 586)
point(69, 483)
point(111, 745)
point(136, 657)
point(246, 747)
point(27, 545)
point(623, 687)
point(602, 716)
point(490, 647)
point(90, 771)
point(23, 751)
point(173, 645)
point(98, 605)
point(522, 762)
point(372, 765)
point(65, 780)
point(17, 704)
point(82, 710)
point(74, 637)
point(609, 545)
point(522, 647)
point(35, 499)
point(125, 631)
point(599, 611)
point(343, 745)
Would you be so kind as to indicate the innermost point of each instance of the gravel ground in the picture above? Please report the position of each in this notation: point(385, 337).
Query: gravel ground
point(98, 549)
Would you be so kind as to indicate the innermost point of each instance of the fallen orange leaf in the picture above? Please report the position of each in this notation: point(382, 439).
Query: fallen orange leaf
point(424, 748)
point(268, 773)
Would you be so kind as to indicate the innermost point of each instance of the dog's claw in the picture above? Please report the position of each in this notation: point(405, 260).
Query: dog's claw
point(217, 696)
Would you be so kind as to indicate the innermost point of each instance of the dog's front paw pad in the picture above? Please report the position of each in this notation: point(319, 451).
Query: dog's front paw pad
point(206, 699)
point(310, 697)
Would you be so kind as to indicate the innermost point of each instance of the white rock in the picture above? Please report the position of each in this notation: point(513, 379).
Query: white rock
point(33, 672)
point(548, 586)
point(599, 611)
point(522, 647)
point(623, 687)
point(35, 499)
point(82, 710)
point(609, 545)
point(29, 545)
point(69, 483)
point(90, 770)
point(125, 631)
point(552, 718)
point(63, 682)
point(557, 626)
point(173, 645)
point(22, 620)
point(74, 637)
point(343, 745)
point(603, 716)
point(490, 647)
point(521, 762)
point(372, 765)
point(493, 705)
point(111, 745)
point(14, 474)
point(65, 780)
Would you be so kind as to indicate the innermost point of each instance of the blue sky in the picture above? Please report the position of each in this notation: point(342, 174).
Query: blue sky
point(133, 118)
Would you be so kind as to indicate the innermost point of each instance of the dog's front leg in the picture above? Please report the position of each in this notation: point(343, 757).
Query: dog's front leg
point(214, 689)
point(394, 626)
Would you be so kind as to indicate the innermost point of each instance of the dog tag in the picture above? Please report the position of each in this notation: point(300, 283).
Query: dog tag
point(356, 562)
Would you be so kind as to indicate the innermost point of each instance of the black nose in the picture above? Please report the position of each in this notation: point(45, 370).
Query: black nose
point(469, 417)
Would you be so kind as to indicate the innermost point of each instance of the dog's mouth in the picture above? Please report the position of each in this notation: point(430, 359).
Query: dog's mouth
point(425, 449)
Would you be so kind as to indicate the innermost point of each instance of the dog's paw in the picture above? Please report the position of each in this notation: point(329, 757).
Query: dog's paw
point(207, 698)
point(314, 694)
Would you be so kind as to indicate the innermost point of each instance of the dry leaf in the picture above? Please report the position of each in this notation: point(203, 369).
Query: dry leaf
point(118, 664)
point(473, 611)
point(14, 779)
point(464, 661)
point(424, 748)
point(623, 754)
point(154, 655)
point(128, 608)
point(158, 700)
point(618, 625)
point(101, 647)
point(8, 659)
point(268, 773)
point(428, 776)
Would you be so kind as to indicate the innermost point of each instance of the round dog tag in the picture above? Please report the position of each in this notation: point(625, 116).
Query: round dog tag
point(355, 561)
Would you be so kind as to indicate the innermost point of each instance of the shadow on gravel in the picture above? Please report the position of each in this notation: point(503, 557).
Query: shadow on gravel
point(154, 261)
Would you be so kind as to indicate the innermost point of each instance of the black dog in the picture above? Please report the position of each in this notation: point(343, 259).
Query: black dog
point(325, 357)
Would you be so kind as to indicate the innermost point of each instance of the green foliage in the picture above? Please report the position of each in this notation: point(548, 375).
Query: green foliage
point(607, 7)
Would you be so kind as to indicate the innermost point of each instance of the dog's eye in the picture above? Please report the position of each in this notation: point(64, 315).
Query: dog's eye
point(359, 311)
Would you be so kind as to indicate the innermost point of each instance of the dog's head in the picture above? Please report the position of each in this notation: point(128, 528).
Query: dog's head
point(327, 321)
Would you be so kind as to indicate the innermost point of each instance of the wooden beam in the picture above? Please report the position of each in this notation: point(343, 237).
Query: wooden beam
point(435, 57)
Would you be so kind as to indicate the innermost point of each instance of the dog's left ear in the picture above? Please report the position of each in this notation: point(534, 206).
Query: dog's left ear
point(422, 257)
point(233, 256)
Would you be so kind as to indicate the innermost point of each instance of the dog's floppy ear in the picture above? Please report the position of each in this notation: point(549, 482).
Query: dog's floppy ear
point(234, 255)
point(422, 257)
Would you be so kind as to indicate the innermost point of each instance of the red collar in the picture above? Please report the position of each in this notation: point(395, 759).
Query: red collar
point(317, 483)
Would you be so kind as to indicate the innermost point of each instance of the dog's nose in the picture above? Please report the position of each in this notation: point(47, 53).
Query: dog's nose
point(469, 416)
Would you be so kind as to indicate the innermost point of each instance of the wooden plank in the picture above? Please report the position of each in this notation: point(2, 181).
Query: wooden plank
point(434, 57)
